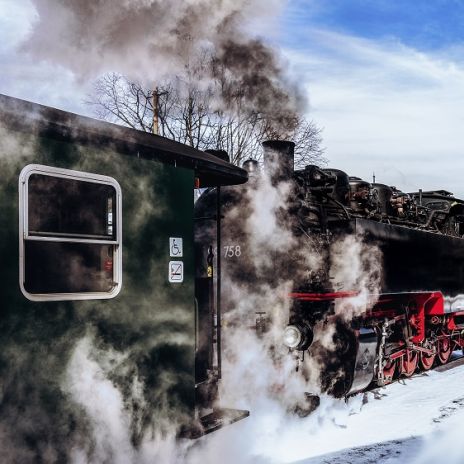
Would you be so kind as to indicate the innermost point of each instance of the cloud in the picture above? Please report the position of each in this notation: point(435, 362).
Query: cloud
point(25, 77)
point(386, 108)
point(15, 22)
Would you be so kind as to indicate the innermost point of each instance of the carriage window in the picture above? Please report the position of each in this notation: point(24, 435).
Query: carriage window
point(70, 245)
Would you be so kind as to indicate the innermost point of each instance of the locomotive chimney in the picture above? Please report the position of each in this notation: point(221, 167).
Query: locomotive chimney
point(279, 156)
point(251, 166)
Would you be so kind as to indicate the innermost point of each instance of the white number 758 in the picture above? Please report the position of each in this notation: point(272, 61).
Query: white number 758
point(232, 250)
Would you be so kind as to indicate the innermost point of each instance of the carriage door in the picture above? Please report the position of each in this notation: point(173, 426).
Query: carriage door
point(207, 289)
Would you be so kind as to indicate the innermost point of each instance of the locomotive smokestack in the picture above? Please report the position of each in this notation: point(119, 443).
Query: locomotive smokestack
point(251, 166)
point(279, 157)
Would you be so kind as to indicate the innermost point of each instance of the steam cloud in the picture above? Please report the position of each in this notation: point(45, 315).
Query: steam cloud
point(151, 39)
point(355, 266)
point(276, 261)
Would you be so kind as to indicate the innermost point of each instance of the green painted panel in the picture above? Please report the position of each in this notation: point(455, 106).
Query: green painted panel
point(143, 340)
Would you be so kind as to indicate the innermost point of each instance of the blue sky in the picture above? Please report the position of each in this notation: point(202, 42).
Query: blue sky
point(423, 24)
point(385, 81)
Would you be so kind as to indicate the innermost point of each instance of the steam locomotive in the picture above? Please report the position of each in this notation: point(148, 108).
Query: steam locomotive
point(405, 312)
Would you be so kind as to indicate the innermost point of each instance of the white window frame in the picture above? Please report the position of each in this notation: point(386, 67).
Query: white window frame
point(24, 231)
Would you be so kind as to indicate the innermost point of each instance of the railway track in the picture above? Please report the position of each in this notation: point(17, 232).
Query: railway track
point(456, 360)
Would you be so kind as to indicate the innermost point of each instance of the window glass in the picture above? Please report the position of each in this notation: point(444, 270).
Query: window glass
point(61, 206)
point(71, 234)
point(68, 267)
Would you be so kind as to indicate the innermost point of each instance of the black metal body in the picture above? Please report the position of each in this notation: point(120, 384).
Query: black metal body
point(413, 259)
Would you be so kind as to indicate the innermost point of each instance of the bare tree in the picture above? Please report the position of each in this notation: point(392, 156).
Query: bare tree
point(308, 139)
point(187, 111)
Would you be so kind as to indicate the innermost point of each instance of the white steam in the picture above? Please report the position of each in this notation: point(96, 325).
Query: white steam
point(355, 266)
point(259, 368)
point(265, 233)
point(88, 382)
point(89, 386)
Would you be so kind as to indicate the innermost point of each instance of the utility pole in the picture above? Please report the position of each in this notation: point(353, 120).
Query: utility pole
point(155, 111)
point(156, 95)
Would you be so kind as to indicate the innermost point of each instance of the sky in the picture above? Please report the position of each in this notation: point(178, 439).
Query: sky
point(385, 81)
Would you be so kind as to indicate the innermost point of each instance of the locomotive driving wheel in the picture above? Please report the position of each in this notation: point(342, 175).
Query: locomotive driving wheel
point(443, 348)
point(427, 360)
point(389, 371)
point(409, 362)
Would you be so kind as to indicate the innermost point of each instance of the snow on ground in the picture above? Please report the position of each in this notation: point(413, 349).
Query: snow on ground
point(414, 421)
point(391, 452)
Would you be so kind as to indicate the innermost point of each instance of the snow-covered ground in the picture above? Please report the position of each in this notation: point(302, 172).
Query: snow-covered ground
point(414, 421)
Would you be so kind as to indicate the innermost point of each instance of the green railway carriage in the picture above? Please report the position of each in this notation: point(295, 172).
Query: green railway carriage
point(96, 237)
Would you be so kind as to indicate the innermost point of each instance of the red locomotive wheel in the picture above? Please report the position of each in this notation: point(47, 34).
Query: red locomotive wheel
point(427, 360)
point(389, 371)
point(444, 349)
point(410, 361)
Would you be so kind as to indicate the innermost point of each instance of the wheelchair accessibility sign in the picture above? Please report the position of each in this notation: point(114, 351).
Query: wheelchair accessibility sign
point(176, 271)
point(175, 247)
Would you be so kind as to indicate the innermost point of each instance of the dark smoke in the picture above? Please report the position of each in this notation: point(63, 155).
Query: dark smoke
point(151, 40)
point(254, 73)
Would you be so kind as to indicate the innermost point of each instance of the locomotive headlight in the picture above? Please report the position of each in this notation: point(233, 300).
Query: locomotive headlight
point(298, 336)
point(292, 336)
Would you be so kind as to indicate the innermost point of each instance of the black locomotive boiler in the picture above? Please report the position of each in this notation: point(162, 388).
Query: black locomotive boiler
point(412, 269)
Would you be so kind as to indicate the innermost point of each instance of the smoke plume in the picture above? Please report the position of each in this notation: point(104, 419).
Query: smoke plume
point(150, 40)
